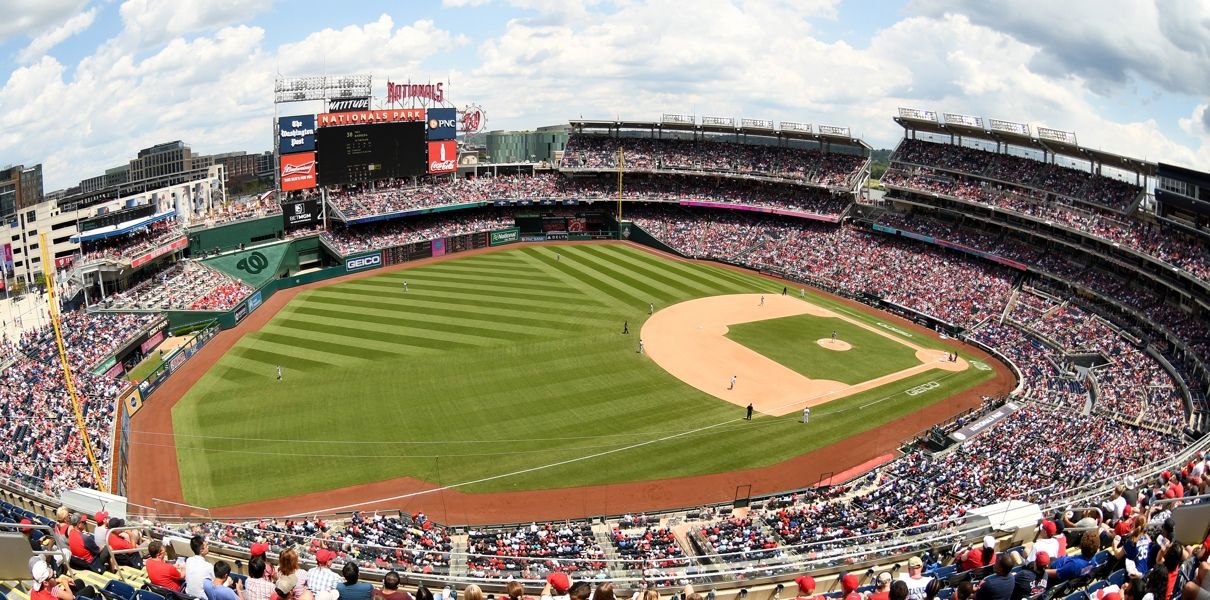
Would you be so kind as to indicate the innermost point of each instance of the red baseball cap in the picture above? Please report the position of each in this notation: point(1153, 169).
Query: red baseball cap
point(560, 582)
point(259, 549)
point(324, 556)
point(101, 517)
point(1050, 527)
point(806, 584)
point(1042, 559)
point(849, 582)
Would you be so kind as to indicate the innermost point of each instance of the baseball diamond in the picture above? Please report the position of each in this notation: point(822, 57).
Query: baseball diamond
point(507, 346)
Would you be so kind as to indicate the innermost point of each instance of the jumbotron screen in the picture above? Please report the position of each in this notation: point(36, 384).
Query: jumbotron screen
point(357, 153)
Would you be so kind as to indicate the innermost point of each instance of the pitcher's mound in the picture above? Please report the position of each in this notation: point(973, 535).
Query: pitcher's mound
point(837, 345)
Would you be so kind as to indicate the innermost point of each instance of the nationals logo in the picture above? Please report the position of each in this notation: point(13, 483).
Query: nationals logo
point(297, 171)
point(443, 157)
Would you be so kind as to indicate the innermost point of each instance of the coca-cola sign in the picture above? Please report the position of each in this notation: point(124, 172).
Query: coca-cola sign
point(336, 105)
point(443, 156)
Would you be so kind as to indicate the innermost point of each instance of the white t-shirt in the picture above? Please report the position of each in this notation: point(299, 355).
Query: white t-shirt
point(916, 587)
point(197, 571)
point(1050, 547)
point(1119, 507)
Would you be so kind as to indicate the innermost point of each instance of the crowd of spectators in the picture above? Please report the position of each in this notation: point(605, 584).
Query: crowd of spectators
point(250, 207)
point(360, 238)
point(532, 552)
point(88, 338)
point(1018, 170)
point(186, 285)
point(1167, 244)
point(131, 245)
point(669, 154)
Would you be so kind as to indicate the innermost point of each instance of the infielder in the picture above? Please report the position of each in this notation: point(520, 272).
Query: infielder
point(732, 386)
point(640, 345)
point(762, 300)
point(279, 372)
point(650, 308)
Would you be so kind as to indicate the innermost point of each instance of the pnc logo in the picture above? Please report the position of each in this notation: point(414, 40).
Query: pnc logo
point(253, 263)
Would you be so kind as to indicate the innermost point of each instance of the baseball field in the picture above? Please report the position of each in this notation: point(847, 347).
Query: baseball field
point(509, 370)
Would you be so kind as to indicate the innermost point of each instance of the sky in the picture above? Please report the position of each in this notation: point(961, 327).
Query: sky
point(87, 83)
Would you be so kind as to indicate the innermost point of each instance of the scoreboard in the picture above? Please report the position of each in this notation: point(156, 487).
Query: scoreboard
point(359, 153)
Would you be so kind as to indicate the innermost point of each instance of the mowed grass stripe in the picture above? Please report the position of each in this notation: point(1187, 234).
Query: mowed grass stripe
point(499, 289)
point(322, 346)
point(681, 285)
point(692, 271)
point(534, 282)
point(500, 327)
point(274, 358)
point(480, 303)
point(474, 269)
point(435, 308)
point(355, 330)
point(478, 291)
point(621, 272)
point(622, 297)
point(660, 269)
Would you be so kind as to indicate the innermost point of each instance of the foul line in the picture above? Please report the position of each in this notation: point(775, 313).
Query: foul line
point(503, 475)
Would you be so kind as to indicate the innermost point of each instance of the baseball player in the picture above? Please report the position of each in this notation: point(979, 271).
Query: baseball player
point(802, 292)
point(640, 345)
point(558, 257)
point(806, 414)
point(732, 386)
point(833, 336)
point(625, 327)
point(405, 286)
point(762, 300)
point(279, 372)
point(749, 415)
point(650, 308)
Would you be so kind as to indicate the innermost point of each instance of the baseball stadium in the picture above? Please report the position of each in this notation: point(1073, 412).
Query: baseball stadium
point(693, 356)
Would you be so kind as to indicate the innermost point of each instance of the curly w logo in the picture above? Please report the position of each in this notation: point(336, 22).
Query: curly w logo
point(252, 264)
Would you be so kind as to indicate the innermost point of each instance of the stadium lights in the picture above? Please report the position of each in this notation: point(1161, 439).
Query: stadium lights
point(301, 89)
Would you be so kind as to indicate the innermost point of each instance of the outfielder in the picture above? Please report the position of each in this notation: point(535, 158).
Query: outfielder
point(279, 372)
point(806, 414)
point(405, 286)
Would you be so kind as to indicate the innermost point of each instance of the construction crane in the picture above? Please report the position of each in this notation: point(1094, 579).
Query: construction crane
point(48, 272)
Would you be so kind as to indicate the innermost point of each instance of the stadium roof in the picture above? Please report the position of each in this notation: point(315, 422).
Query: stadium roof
point(807, 134)
point(1023, 139)
point(121, 228)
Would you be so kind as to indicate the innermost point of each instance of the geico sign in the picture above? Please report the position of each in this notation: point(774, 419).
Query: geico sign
point(363, 262)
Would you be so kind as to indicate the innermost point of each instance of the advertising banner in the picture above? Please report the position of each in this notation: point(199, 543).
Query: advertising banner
point(363, 262)
point(296, 134)
point(297, 171)
point(369, 117)
point(443, 156)
point(254, 301)
point(241, 311)
point(151, 342)
point(442, 123)
point(301, 213)
point(439, 247)
point(505, 236)
point(984, 423)
point(172, 246)
point(338, 105)
point(115, 371)
point(132, 399)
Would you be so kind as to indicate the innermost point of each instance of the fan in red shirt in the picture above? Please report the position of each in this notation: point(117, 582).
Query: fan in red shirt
point(161, 572)
point(975, 558)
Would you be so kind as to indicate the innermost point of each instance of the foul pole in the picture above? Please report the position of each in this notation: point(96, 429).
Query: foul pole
point(621, 163)
point(48, 272)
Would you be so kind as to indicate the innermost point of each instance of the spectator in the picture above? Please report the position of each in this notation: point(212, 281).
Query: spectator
point(289, 577)
point(257, 586)
point(882, 587)
point(197, 569)
point(915, 579)
point(1066, 568)
point(219, 588)
point(604, 591)
point(321, 580)
point(120, 541)
point(46, 587)
point(974, 558)
point(84, 551)
point(899, 590)
point(1001, 584)
point(848, 587)
point(351, 589)
point(1048, 541)
point(1135, 547)
point(806, 586)
point(557, 586)
point(1031, 579)
point(390, 588)
point(159, 571)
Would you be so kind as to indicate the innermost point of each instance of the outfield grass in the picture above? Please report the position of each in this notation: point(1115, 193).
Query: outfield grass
point(491, 364)
point(792, 341)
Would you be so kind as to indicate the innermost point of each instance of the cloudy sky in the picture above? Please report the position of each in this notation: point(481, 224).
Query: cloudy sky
point(86, 83)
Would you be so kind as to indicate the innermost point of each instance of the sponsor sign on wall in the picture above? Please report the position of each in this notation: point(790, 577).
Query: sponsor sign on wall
point(505, 236)
point(297, 171)
point(151, 342)
point(158, 252)
point(368, 117)
point(241, 311)
point(336, 105)
point(133, 400)
point(301, 213)
point(363, 262)
point(442, 124)
point(443, 156)
point(296, 134)
point(254, 301)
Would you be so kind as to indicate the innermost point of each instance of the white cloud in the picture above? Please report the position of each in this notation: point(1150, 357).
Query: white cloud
point(44, 42)
point(152, 21)
point(23, 17)
point(463, 3)
point(379, 48)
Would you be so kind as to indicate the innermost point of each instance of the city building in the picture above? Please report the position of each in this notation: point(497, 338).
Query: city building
point(544, 144)
point(20, 187)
